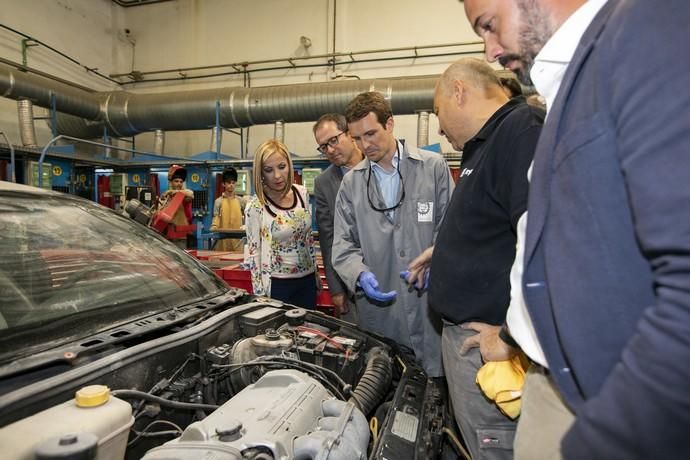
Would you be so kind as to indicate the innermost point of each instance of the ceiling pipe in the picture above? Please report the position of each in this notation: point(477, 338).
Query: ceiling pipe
point(15, 84)
point(279, 131)
point(423, 128)
point(126, 114)
point(27, 130)
point(329, 59)
point(58, 52)
point(159, 142)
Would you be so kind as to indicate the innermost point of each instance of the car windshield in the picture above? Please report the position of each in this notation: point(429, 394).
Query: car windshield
point(69, 264)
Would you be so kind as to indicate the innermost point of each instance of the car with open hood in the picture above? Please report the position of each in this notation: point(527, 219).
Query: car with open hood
point(116, 344)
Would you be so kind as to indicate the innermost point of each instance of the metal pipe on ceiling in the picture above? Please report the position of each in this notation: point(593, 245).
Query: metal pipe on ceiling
point(279, 130)
point(330, 59)
point(130, 3)
point(27, 130)
point(15, 84)
point(126, 114)
point(58, 52)
point(159, 142)
point(423, 128)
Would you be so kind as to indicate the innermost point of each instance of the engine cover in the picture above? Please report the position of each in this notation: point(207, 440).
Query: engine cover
point(285, 414)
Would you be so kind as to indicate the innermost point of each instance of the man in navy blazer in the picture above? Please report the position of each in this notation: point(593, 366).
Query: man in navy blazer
point(334, 141)
point(607, 252)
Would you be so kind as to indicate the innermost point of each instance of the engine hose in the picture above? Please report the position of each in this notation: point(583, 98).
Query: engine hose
point(135, 394)
point(373, 385)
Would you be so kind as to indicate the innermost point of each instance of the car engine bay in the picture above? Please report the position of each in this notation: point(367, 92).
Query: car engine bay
point(239, 378)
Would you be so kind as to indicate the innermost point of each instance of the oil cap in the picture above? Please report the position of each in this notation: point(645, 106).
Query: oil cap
point(230, 432)
point(92, 396)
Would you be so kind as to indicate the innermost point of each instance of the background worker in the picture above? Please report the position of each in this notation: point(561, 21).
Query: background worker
point(177, 175)
point(389, 208)
point(470, 268)
point(278, 222)
point(228, 210)
point(334, 141)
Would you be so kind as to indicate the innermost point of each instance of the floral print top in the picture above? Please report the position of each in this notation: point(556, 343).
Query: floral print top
point(280, 242)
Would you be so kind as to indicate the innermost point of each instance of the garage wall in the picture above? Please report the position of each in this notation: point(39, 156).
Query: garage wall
point(188, 33)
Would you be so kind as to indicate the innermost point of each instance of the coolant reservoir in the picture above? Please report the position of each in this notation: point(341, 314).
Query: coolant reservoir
point(92, 410)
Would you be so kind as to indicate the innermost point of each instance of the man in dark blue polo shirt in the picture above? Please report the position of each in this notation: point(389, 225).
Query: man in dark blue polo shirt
point(475, 247)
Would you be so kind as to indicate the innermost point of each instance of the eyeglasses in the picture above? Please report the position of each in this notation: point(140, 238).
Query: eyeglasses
point(332, 142)
point(402, 194)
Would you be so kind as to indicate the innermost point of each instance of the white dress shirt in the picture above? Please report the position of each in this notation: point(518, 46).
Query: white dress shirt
point(547, 74)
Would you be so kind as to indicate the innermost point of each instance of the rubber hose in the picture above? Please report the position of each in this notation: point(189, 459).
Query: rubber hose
point(136, 394)
point(373, 385)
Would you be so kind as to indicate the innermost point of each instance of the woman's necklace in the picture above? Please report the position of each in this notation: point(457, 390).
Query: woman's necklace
point(283, 201)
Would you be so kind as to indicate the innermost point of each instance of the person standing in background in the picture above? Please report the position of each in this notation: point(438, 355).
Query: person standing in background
point(281, 254)
point(334, 141)
point(177, 175)
point(228, 211)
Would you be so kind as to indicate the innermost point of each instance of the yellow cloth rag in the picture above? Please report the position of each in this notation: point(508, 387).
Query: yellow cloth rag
point(502, 381)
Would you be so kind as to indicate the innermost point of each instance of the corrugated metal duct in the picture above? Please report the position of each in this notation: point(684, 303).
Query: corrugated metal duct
point(16, 84)
point(27, 131)
point(159, 142)
point(127, 114)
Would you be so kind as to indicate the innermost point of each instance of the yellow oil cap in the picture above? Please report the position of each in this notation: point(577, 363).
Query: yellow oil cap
point(92, 396)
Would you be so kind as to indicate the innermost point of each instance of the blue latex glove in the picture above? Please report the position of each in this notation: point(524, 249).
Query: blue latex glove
point(369, 284)
point(405, 273)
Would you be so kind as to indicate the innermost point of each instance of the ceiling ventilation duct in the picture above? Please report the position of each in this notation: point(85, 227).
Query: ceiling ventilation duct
point(127, 114)
point(159, 142)
point(27, 130)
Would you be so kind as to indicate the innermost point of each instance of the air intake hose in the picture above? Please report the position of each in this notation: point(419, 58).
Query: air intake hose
point(373, 385)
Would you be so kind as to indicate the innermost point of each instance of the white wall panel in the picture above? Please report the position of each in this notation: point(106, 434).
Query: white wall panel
point(189, 33)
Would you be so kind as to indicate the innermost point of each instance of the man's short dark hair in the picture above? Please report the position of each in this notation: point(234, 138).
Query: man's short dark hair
point(336, 118)
point(365, 103)
point(230, 174)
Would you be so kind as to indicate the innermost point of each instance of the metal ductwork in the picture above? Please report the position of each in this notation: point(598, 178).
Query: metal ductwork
point(27, 130)
point(279, 130)
point(159, 142)
point(423, 128)
point(127, 114)
point(17, 84)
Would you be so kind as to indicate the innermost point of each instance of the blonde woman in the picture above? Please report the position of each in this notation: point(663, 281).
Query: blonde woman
point(278, 221)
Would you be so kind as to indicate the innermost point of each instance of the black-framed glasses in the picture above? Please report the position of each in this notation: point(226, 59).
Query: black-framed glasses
point(402, 194)
point(332, 142)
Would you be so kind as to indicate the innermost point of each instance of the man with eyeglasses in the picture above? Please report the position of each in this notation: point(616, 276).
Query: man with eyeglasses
point(333, 140)
point(389, 208)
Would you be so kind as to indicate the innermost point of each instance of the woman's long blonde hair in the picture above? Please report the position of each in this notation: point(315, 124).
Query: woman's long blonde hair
point(264, 151)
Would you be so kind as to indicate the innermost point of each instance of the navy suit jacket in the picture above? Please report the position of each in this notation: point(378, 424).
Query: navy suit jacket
point(326, 187)
point(607, 261)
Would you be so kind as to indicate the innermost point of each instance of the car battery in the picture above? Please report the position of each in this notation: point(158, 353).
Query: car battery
point(331, 351)
point(258, 321)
